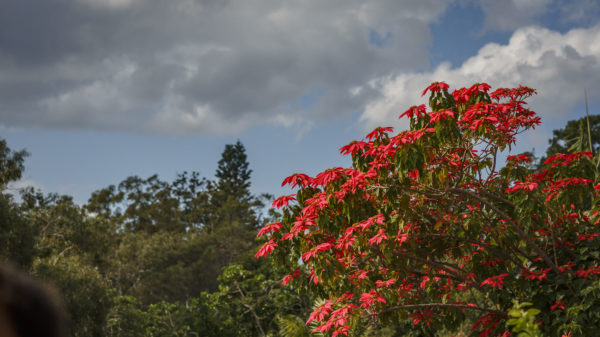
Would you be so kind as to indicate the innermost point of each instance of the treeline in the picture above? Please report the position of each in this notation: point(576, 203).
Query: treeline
point(149, 257)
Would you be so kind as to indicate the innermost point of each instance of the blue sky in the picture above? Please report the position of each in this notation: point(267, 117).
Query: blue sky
point(98, 90)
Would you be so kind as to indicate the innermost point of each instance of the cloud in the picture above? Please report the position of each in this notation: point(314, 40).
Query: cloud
point(512, 14)
point(24, 183)
point(14, 188)
point(200, 66)
point(579, 11)
point(558, 65)
point(509, 15)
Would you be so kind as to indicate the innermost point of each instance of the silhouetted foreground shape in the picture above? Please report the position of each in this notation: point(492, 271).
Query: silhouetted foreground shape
point(27, 307)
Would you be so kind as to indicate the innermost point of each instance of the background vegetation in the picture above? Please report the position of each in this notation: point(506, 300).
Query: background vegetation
point(149, 257)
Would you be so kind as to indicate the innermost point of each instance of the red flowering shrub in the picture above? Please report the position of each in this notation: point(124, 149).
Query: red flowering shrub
point(425, 227)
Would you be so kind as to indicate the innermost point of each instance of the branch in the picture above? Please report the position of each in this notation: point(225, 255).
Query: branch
point(475, 242)
point(442, 305)
point(412, 271)
point(251, 309)
point(514, 225)
point(436, 264)
point(493, 169)
point(566, 249)
point(498, 198)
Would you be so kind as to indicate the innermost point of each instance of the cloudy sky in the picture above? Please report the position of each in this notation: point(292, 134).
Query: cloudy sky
point(97, 90)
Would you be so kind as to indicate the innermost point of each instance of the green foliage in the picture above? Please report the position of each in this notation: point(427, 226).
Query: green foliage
point(161, 266)
point(148, 257)
point(11, 164)
point(425, 228)
point(153, 205)
point(292, 326)
point(126, 318)
point(18, 235)
point(233, 173)
point(85, 291)
point(523, 321)
point(194, 318)
point(251, 297)
point(574, 136)
point(17, 239)
point(139, 257)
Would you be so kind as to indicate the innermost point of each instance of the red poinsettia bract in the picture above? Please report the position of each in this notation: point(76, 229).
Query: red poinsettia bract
point(426, 221)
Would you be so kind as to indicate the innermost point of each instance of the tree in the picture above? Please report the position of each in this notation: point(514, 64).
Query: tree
point(196, 317)
point(425, 228)
point(70, 251)
point(230, 196)
point(148, 257)
point(17, 239)
point(11, 164)
point(85, 292)
point(249, 301)
point(153, 205)
point(575, 136)
point(233, 174)
point(18, 236)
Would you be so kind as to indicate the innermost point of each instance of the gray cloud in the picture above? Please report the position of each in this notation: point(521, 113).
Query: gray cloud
point(512, 14)
point(189, 66)
point(508, 15)
point(579, 11)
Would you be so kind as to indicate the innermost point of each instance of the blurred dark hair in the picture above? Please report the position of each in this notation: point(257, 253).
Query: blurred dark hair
point(32, 307)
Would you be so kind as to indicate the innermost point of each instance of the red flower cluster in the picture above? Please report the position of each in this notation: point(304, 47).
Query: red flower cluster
point(463, 225)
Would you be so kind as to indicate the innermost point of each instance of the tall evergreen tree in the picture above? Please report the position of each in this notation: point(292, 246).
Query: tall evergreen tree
point(233, 217)
point(230, 195)
point(233, 173)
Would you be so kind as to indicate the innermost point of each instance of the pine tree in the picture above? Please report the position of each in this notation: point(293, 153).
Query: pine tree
point(230, 195)
point(232, 173)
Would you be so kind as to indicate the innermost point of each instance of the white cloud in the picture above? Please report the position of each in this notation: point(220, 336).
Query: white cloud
point(558, 65)
point(14, 187)
point(24, 183)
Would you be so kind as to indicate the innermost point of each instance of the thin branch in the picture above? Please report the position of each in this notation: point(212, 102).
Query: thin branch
point(514, 226)
point(493, 169)
point(436, 264)
point(494, 233)
point(554, 246)
point(462, 167)
point(251, 309)
point(566, 249)
point(497, 198)
point(479, 243)
point(418, 273)
point(443, 305)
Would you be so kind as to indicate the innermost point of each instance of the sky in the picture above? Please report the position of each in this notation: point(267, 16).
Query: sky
point(99, 90)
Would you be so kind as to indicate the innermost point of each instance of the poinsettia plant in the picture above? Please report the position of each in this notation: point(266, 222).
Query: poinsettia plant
point(426, 226)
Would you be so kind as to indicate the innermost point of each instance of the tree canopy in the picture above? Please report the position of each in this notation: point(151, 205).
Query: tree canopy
point(426, 234)
point(149, 257)
point(575, 136)
point(426, 228)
